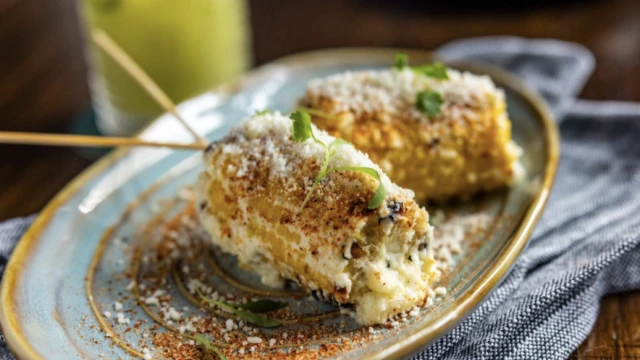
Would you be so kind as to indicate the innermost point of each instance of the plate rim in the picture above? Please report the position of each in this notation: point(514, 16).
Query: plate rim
point(418, 339)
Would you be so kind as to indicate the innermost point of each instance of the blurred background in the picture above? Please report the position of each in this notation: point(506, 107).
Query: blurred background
point(43, 72)
point(44, 76)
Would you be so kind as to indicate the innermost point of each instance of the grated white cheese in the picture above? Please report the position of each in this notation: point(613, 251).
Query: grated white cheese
point(414, 312)
point(450, 232)
point(394, 91)
point(152, 301)
point(122, 319)
point(253, 131)
point(429, 301)
point(174, 314)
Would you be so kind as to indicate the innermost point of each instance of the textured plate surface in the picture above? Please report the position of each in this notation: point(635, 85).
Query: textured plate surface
point(46, 312)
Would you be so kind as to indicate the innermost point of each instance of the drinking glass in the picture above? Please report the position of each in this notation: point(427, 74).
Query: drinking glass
point(186, 46)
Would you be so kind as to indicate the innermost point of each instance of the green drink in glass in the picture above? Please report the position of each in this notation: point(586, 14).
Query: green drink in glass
point(186, 46)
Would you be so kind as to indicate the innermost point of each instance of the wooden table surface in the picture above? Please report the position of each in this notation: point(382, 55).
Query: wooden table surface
point(43, 83)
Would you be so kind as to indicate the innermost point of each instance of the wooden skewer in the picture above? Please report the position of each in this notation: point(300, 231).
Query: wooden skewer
point(120, 56)
point(112, 49)
point(26, 138)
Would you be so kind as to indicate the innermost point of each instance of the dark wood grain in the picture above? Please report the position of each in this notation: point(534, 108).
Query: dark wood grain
point(43, 83)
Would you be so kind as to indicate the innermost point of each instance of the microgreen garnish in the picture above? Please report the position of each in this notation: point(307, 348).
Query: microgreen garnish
point(401, 61)
point(249, 317)
point(202, 340)
point(381, 192)
point(301, 130)
point(262, 306)
point(262, 112)
point(435, 70)
point(429, 102)
point(316, 112)
point(301, 127)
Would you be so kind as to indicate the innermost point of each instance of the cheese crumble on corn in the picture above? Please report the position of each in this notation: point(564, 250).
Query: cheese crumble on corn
point(465, 149)
point(378, 262)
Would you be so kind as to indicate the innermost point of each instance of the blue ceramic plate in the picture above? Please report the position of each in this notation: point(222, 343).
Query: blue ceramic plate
point(70, 267)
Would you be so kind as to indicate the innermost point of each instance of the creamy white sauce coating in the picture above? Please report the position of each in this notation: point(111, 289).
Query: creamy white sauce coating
point(391, 282)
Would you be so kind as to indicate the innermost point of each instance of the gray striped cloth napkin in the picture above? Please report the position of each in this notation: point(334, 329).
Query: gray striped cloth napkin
point(587, 243)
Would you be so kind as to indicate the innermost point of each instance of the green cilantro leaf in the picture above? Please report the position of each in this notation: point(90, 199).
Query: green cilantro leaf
point(202, 340)
point(435, 70)
point(401, 61)
point(252, 318)
point(429, 102)
point(301, 127)
point(381, 191)
point(249, 317)
point(262, 112)
point(262, 306)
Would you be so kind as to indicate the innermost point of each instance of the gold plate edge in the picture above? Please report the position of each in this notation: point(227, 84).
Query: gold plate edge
point(18, 344)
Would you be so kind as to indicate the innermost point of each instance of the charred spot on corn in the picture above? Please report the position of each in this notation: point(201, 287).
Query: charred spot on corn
point(348, 306)
point(291, 284)
point(356, 251)
point(340, 290)
point(210, 146)
point(396, 209)
point(321, 296)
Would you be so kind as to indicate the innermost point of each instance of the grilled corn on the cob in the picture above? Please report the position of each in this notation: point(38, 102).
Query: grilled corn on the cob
point(377, 260)
point(465, 149)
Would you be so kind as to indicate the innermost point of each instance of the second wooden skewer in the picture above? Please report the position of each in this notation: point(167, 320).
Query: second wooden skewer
point(88, 141)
